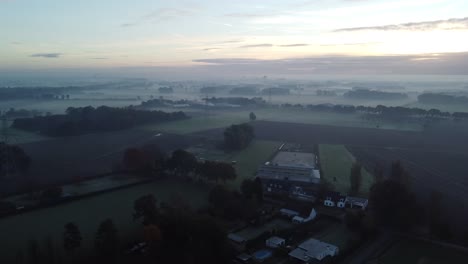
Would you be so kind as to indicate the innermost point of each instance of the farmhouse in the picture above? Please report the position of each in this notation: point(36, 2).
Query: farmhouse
point(333, 199)
point(291, 174)
point(312, 250)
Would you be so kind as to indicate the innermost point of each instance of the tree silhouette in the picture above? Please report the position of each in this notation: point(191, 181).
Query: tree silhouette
point(252, 116)
point(106, 240)
point(355, 178)
point(71, 237)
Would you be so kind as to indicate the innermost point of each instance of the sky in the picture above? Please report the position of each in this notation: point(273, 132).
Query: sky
point(303, 36)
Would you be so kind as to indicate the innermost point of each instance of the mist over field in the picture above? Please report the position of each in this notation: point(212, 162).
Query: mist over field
point(234, 131)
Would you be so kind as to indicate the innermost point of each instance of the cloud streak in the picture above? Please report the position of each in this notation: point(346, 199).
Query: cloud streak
point(264, 45)
point(294, 45)
point(448, 24)
point(46, 55)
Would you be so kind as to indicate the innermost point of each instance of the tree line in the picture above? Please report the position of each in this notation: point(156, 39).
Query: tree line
point(150, 161)
point(88, 119)
point(384, 111)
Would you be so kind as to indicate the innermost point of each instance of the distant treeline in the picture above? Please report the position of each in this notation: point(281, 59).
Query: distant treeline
point(276, 91)
point(432, 98)
point(243, 101)
point(163, 102)
point(384, 111)
point(166, 90)
point(51, 93)
point(361, 93)
point(16, 113)
point(83, 120)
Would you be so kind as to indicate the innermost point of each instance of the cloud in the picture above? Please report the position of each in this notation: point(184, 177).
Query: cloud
point(449, 24)
point(265, 45)
point(128, 25)
point(227, 61)
point(15, 43)
point(246, 15)
point(169, 13)
point(444, 63)
point(46, 55)
point(100, 58)
point(294, 45)
point(210, 49)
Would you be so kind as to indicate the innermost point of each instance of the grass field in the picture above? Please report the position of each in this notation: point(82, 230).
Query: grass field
point(247, 159)
point(336, 162)
point(204, 120)
point(410, 252)
point(338, 235)
point(16, 231)
point(198, 123)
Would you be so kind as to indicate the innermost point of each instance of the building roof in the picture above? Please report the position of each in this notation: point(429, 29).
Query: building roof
point(317, 249)
point(290, 173)
point(244, 257)
point(288, 212)
point(236, 238)
point(300, 254)
point(295, 159)
point(275, 240)
point(356, 200)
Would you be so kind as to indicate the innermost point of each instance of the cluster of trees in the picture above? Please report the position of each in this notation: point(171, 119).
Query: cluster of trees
point(437, 98)
point(355, 178)
point(385, 111)
point(392, 202)
point(325, 93)
point(238, 137)
point(209, 90)
point(149, 160)
point(166, 90)
point(83, 120)
point(160, 102)
point(13, 160)
point(247, 90)
point(243, 101)
point(177, 235)
point(275, 91)
point(234, 205)
point(106, 247)
point(362, 93)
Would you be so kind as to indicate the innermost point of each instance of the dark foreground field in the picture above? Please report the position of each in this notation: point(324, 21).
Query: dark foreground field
point(436, 158)
point(64, 159)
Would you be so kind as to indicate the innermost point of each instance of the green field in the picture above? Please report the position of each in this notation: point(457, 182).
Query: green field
point(204, 120)
point(338, 235)
point(410, 252)
point(336, 162)
point(16, 231)
point(198, 123)
point(247, 160)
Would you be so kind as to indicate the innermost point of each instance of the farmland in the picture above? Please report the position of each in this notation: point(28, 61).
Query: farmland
point(88, 213)
point(64, 159)
point(210, 119)
point(336, 162)
point(435, 157)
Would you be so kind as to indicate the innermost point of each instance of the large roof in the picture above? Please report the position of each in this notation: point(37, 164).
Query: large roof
point(294, 159)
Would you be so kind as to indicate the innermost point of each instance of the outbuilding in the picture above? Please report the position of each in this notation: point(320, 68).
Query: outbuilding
point(275, 242)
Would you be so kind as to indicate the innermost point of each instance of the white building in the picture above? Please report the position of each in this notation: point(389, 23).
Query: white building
point(300, 220)
point(289, 213)
point(275, 242)
point(312, 250)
